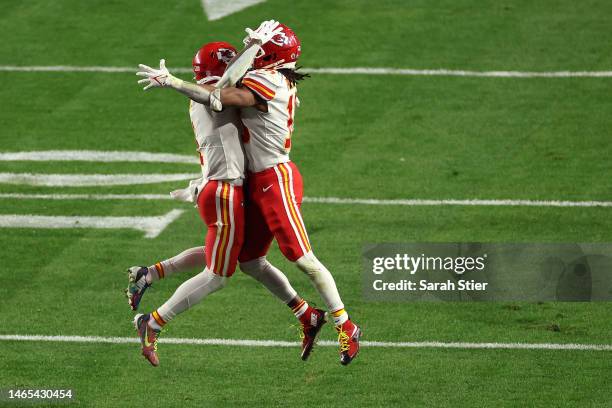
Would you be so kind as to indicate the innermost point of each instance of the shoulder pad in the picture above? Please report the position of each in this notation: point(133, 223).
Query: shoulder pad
point(263, 82)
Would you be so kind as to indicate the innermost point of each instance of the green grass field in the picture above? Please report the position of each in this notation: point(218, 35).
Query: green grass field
point(357, 136)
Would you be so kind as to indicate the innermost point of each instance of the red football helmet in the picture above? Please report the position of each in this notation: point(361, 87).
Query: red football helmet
point(212, 59)
point(282, 51)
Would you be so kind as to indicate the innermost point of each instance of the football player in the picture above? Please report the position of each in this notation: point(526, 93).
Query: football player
point(220, 206)
point(267, 98)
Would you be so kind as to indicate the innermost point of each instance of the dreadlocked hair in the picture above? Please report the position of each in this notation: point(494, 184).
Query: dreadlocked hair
point(292, 75)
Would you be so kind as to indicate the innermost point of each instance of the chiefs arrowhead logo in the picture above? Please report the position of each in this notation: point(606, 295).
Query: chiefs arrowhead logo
point(280, 39)
point(225, 54)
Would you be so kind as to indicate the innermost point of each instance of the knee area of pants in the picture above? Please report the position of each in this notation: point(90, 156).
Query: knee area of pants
point(254, 266)
point(223, 282)
point(308, 266)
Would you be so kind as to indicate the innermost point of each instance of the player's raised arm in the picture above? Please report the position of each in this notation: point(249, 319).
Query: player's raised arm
point(232, 97)
point(163, 78)
point(213, 96)
point(253, 42)
point(206, 94)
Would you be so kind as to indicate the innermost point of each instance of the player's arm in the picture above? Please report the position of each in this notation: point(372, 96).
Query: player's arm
point(205, 94)
point(238, 97)
point(163, 78)
point(236, 69)
point(241, 63)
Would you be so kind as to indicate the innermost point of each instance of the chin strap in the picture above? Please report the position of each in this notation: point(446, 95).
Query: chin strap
point(280, 65)
point(209, 80)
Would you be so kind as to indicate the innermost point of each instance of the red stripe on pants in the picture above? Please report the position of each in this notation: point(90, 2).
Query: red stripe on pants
point(221, 207)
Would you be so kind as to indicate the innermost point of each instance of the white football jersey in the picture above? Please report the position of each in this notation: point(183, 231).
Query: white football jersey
point(218, 138)
point(267, 135)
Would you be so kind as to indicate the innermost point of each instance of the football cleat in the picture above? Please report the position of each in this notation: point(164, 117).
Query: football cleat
point(148, 338)
point(311, 329)
point(348, 337)
point(137, 286)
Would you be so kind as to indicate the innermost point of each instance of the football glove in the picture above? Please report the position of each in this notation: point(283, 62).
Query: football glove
point(155, 77)
point(264, 33)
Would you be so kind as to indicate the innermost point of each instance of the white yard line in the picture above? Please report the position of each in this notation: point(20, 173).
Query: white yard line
point(151, 226)
point(98, 156)
point(328, 200)
point(471, 202)
point(217, 9)
point(325, 343)
point(100, 197)
point(459, 73)
point(83, 180)
point(70, 68)
point(341, 71)
point(79, 180)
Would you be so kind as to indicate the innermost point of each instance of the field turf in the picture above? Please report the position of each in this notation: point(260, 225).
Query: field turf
point(357, 136)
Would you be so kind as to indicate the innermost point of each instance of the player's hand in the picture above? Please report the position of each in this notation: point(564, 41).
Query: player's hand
point(153, 77)
point(264, 33)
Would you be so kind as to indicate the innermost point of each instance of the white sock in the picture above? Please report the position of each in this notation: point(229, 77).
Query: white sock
point(271, 277)
point(153, 324)
point(339, 316)
point(187, 260)
point(190, 293)
point(322, 280)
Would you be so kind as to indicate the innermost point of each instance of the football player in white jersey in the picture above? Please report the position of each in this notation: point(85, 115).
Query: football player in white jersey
point(220, 206)
point(267, 98)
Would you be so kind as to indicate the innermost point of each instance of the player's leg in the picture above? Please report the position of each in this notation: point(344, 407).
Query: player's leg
point(188, 260)
point(281, 205)
point(348, 332)
point(281, 209)
point(224, 215)
point(142, 277)
point(220, 205)
point(187, 295)
point(311, 319)
point(253, 262)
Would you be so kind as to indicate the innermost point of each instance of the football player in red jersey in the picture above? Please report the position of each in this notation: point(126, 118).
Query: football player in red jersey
point(267, 99)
